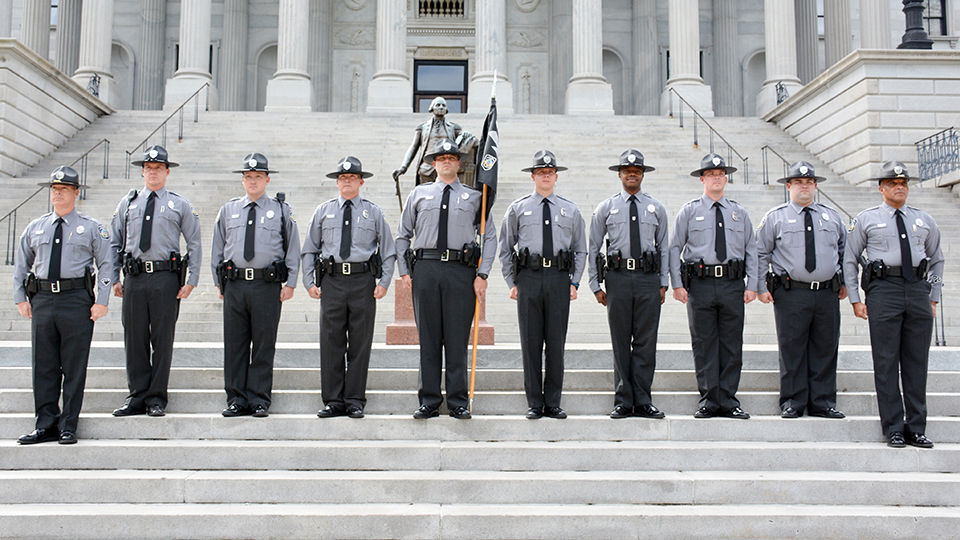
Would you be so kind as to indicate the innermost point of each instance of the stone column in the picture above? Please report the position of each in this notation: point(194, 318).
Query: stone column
point(588, 91)
point(560, 68)
point(289, 89)
point(35, 26)
point(805, 15)
point(390, 89)
point(319, 57)
point(685, 60)
point(836, 30)
point(779, 30)
point(96, 44)
point(233, 62)
point(6, 18)
point(69, 13)
point(875, 25)
point(727, 100)
point(148, 83)
point(491, 56)
point(646, 61)
point(194, 57)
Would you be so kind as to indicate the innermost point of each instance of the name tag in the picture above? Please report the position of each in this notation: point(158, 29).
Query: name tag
point(791, 221)
point(615, 211)
point(132, 206)
point(429, 197)
point(699, 218)
point(235, 216)
point(528, 213)
point(331, 216)
point(881, 225)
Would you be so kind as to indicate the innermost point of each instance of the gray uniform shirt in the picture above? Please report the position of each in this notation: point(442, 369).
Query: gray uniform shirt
point(369, 231)
point(173, 216)
point(875, 230)
point(694, 237)
point(523, 228)
point(421, 217)
point(86, 244)
point(229, 233)
point(612, 219)
point(781, 243)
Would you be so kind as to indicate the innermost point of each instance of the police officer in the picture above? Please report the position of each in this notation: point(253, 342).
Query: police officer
point(145, 233)
point(636, 270)
point(55, 288)
point(542, 254)
point(902, 276)
point(711, 252)
point(800, 246)
point(438, 235)
point(256, 248)
point(348, 256)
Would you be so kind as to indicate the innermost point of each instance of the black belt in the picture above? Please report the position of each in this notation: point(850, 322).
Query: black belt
point(150, 267)
point(631, 265)
point(445, 255)
point(541, 263)
point(897, 271)
point(347, 268)
point(249, 274)
point(716, 271)
point(61, 285)
point(811, 285)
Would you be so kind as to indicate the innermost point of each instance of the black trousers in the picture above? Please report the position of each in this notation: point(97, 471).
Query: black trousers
point(150, 311)
point(901, 323)
point(251, 314)
point(715, 316)
point(61, 331)
point(633, 311)
point(347, 313)
point(543, 311)
point(808, 334)
point(443, 302)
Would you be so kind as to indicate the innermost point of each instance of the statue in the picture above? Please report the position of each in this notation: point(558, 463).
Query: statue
point(428, 134)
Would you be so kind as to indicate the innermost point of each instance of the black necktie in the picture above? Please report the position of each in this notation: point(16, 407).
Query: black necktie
point(906, 257)
point(720, 242)
point(444, 213)
point(146, 229)
point(810, 247)
point(54, 272)
point(250, 236)
point(547, 231)
point(345, 233)
point(635, 249)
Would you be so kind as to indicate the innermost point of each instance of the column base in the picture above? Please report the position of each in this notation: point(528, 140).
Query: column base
point(767, 96)
point(390, 94)
point(478, 96)
point(179, 88)
point(289, 95)
point(697, 94)
point(589, 96)
point(107, 92)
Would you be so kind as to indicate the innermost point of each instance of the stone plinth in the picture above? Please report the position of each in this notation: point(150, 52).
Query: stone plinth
point(403, 329)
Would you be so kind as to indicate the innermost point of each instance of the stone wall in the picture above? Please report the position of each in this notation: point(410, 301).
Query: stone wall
point(872, 106)
point(40, 108)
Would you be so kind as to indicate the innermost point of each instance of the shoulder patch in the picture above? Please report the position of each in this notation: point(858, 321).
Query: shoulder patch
point(194, 211)
point(853, 225)
point(103, 232)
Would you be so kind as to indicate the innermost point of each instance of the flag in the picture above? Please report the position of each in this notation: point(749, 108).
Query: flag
point(488, 157)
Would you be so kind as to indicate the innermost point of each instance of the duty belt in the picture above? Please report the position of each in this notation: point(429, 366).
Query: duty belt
point(812, 285)
point(150, 267)
point(348, 268)
point(897, 271)
point(718, 271)
point(61, 285)
point(444, 255)
point(630, 265)
point(249, 274)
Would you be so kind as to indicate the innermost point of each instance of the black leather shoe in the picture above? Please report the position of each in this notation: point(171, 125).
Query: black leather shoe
point(648, 411)
point(233, 410)
point(895, 440)
point(828, 413)
point(40, 436)
point(461, 413)
point(425, 412)
point(919, 440)
point(68, 437)
point(331, 411)
point(704, 412)
point(260, 411)
point(156, 410)
point(554, 412)
point(737, 413)
point(354, 412)
point(534, 413)
point(128, 410)
point(789, 412)
point(620, 412)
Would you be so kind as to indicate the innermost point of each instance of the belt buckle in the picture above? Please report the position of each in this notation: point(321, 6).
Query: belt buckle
point(148, 267)
point(248, 274)
point(445, 255)
point(718, 271)
point(545, 262)
point(345, 268)
point(814, 285)
point(631, 264)
point(55, 286)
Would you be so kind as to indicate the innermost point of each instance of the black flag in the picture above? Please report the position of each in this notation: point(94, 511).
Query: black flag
point(488, 157)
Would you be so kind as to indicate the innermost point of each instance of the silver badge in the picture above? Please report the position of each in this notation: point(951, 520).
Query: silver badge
point(651, 208)
point(631, 158)
point(80, 229)
point(154, 153)
point(803, 169)
point(270, 214)
point(919, 222)
point(898, 170)
point(58, 175)
point(447, 146)
point(465, 196)
point(171, 205)
point(252, 163)
point(547, 159)
point(346, 165)
point(826, 217)
point(563, 211)
point(366, 214)
point(734, 215)
point(716, 161)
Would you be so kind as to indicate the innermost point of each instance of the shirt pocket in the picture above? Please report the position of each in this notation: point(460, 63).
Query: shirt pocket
point(919, 236)
point(365, 233)
point(617, 226)
point(76, 247)
point(268, 230)
point(792, 235)
point(879, 240)
point(648, 230)
point(236, 230)
point(330, 231)
point(700, 232)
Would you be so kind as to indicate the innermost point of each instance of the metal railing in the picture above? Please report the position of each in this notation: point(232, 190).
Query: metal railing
point(712, 134)
point(11, 219)
point(938, 154)
point(162, 128)
point(767, 149)
point(81, 164)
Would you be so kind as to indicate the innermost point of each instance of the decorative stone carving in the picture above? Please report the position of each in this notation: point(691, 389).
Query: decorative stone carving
point(527, 6)
point(356, 37)
point(355, 5)
point(527, 39)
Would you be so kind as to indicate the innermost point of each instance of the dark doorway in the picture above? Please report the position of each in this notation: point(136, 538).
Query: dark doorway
point(445, 78)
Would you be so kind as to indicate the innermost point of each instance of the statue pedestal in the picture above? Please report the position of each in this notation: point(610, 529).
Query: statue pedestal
point(403, 329)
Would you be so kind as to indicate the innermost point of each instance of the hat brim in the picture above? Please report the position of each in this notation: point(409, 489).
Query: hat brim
point(816, 179)
point(51, 184)
point(646, 168)
point(363, 174)
point(556, 168)
point(881, 178)
point(139, 163)
point(430, 158)
point(726, 170)
point(268, 171)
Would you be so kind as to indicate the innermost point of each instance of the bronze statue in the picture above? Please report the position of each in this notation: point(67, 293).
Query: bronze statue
point(427, 135)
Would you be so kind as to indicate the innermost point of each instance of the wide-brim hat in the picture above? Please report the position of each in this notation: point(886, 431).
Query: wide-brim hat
point(713, 161)
point(631, 158)
point(255, 162)
point(891, 170)
point(444, 147)
point(63, 176)
point(155, 154)
point(801, 169)
point(350, 165)
point(544, 159)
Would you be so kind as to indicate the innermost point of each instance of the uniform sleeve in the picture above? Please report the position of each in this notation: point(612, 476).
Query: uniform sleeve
point(856, 241)
point(190, 229)
point(22, 266)
point(311, 248)
point(935, 267)
point(508, 240)
point(841, 244)
point(489, 247)
point(292, 256)
point(766, 241)
point(104, 259)
point(388, 251)
point(579, 246)
point(598, 229)
point(750, 253)
point(663, 232)
point(216, 245)
point(116, 236)
point(677, 242)
point(408, 220)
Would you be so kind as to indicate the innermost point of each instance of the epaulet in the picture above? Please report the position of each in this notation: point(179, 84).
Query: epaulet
point(734, 202)
point(694, 201)
point(86, 217)
point(778, 207)
point(565, 199)
point(235, 199)
point(525, 197)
